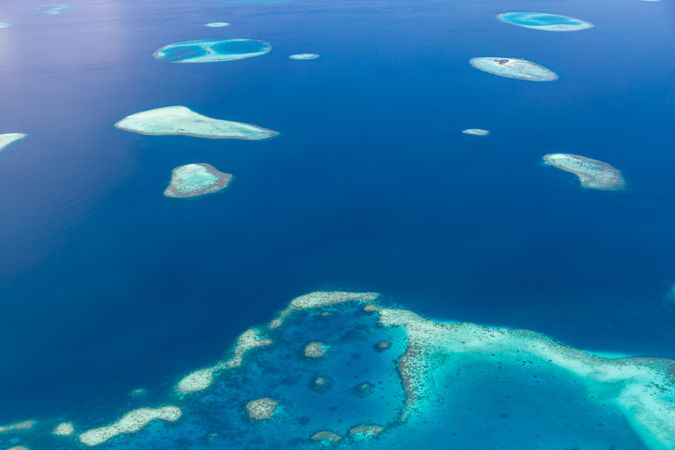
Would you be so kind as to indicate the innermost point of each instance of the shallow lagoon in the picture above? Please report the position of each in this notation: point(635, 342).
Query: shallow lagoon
point(544, 21)
point(212, 50)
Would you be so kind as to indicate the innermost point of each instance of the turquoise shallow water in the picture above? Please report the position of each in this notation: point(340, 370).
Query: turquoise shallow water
point(538, 20)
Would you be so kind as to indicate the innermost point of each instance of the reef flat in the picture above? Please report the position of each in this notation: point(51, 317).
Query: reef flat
point(192, 180)
point(212, 50)
point(592, 174)
point(217, 24)
point(476, 132)
point(544, 21)
point(434, 385)
point(304, 56)
point(518, 69)
point(182, 121)
point(9, 138)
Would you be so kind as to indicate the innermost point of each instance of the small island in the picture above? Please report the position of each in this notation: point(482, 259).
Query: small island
point(179, 120)
point(193, 180)
point(326, 438)
point(217, 24)
point(592, 174)
point(544, 21)
point(304, 56)
point(518, 69)
point(261, 409)
point(9, 138)
point(212, 50)
point(315, 349)
point(476, 132)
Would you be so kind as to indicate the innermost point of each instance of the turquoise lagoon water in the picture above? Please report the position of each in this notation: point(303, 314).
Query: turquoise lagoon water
point(542, 20)
point(108, 287)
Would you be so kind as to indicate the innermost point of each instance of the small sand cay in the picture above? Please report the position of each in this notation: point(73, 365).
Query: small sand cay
point(592, 174)
point(518, 69)
point(182, 121)
point(9, 138)
point(212, 50)
point(193, 180)
point(544, 21)
point(476, 132)
point(217, 24)
point(304, 56)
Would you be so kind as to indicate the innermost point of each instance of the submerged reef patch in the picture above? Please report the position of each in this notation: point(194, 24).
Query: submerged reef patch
point(25, 425)
point(544, 21)
point(439, 385)
point(304, 56)
point(212, 50)
point(64, 429)
point(315, 349)
point(476, 132)
point(182, 121)
point(9, 138)
point(518, 69)
point(192, 180)
point(52, 9)
point(592, 174)
point(132, 422)
point(5, 25)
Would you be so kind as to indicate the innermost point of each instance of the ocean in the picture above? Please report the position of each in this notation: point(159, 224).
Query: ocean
point(107, 286)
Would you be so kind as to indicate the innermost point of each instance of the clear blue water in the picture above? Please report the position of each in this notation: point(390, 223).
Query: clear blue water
point(107, 286)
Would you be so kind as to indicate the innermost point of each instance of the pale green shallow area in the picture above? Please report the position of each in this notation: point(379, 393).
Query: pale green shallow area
point(476, 132)
point(544, 21)
point(592, 174)
point(52, 9)
point(192, 180)
point(179, 120)
point(5, 25)
point(9, 138)
point(519, 69)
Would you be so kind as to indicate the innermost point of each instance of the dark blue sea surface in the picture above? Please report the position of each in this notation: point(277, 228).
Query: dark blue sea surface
point(107, 286)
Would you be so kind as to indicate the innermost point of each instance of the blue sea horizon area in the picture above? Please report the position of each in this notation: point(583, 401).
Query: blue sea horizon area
point(107, 286)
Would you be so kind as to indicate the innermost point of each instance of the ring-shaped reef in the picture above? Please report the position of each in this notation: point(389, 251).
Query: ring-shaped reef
point(544, 21)
point(212, 50)
point(9, 138)
point(193, 180)
point(182, 121)
point(518, 69)
point(592, 174)
point(439, 385)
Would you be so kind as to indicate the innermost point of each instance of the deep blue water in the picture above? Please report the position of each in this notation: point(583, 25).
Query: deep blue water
point(107, 286)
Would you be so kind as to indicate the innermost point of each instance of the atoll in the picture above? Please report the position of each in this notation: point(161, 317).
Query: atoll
point(518, 69)
point(9, 138)
point(304, 56)
point(182, 121)
point(262, 408)
point(592, 174)
point(315, 350)
point(326, 437)
point(476, 132)
point(192, 180)
point(217, 24)
point(132, 422)
point(544, 21)
point(212, 50)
